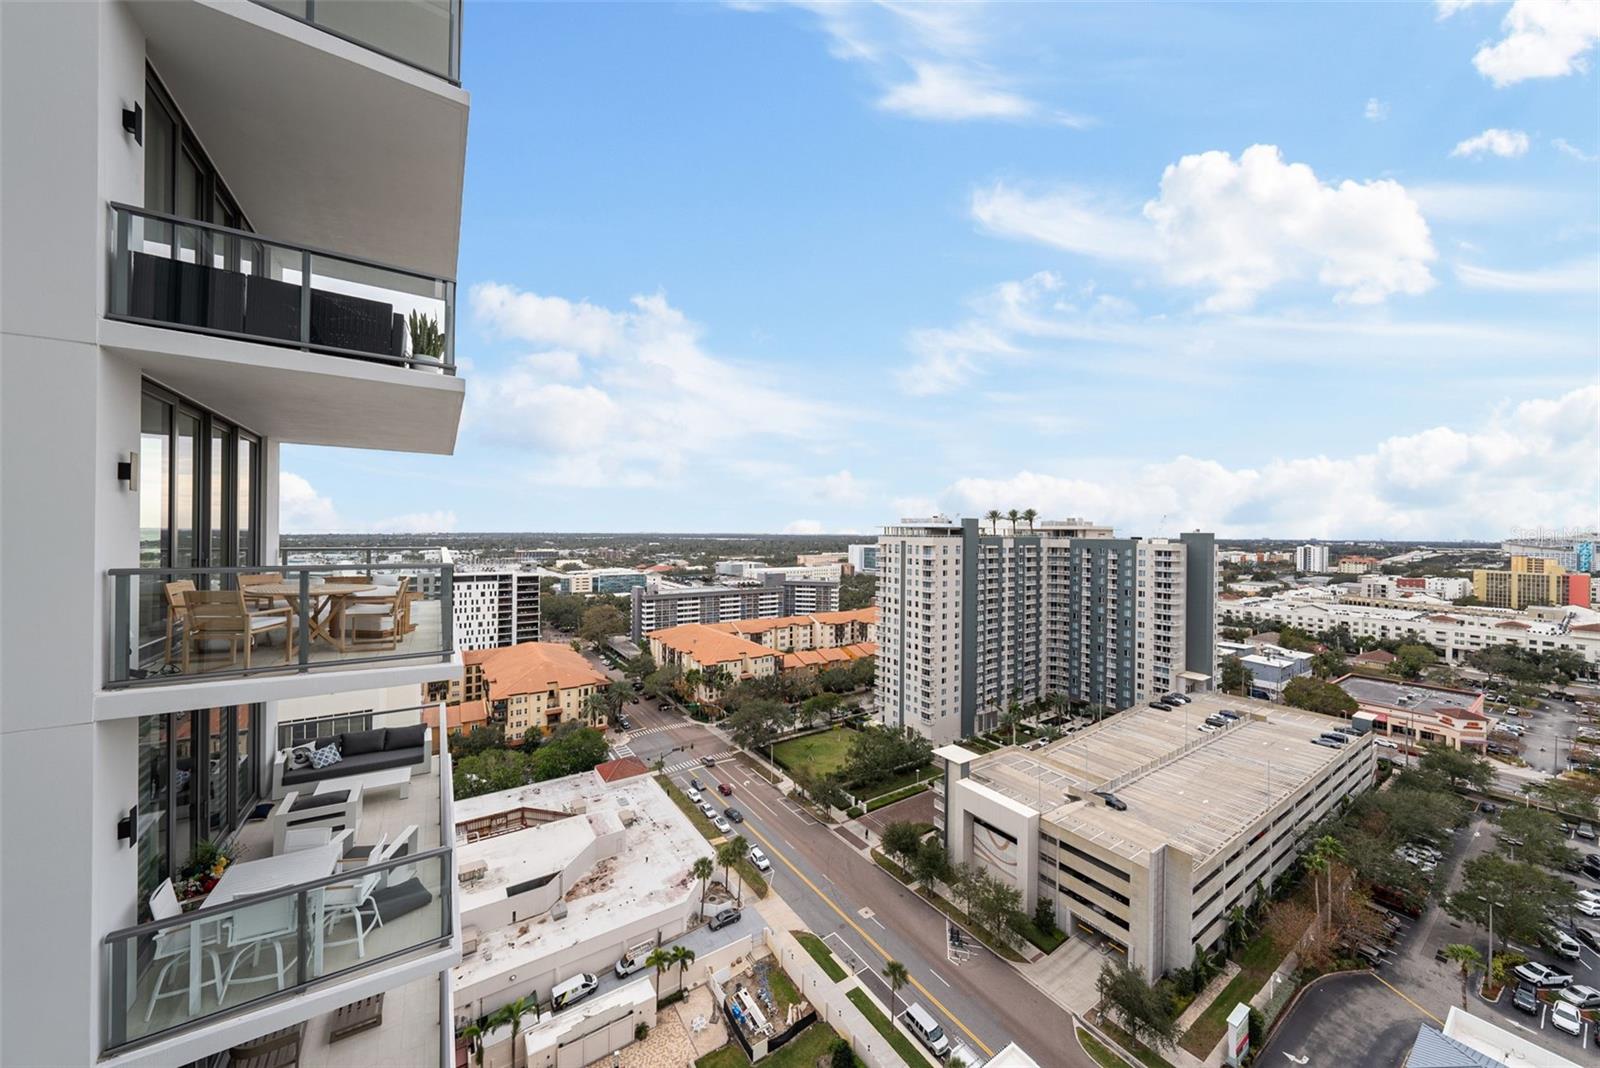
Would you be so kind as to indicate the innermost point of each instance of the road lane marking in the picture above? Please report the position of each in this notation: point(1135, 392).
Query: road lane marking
point(939, 977)
point(1406, 999)
point(924, 991)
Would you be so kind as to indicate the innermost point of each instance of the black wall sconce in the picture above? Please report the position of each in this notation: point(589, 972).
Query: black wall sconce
point(128, 826)
point(133, 122)
point(128, 471)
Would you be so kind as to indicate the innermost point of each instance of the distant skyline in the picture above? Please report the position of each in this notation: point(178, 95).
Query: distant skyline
point(1268, 270)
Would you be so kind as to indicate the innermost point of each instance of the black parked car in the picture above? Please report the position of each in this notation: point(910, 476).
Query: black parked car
point(724, 918)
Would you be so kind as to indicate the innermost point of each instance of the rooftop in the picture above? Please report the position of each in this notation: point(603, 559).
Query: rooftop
point(708, 644)
point(533, 667)
point(838, 654)
point(761, 626)
point(1411, 696)
point(1193, 790)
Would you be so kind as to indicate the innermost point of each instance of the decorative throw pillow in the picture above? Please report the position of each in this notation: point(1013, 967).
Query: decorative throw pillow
point(326, 757)
point(300, 756)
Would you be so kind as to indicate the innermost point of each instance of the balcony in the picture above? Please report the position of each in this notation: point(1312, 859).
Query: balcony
point(274, 954)
point(425, 34)
point(175, 626)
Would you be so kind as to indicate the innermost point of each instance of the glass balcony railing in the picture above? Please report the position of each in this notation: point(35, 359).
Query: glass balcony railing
point(425, 34)
point(268, 932)
point(171, 625)
point(175, 272)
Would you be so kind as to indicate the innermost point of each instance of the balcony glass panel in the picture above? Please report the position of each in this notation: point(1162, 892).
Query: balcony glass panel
point(422, 33)
point(213, 279)
point(178, 624)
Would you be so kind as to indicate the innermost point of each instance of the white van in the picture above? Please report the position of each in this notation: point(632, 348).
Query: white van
point(572, 991)
point(928, 1032)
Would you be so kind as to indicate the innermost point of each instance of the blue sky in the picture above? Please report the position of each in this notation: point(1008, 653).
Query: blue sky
point(1293, 270)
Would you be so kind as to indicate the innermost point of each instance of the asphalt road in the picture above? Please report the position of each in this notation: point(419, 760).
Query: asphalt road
point(860, 910)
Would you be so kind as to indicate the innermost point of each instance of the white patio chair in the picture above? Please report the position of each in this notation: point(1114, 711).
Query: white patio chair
point(353, 900)
point(172, 948)
point(253, 928)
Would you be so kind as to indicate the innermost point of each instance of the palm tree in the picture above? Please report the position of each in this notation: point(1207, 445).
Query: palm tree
point(702, 869)
point(1028, 516)
point(1330, 849)
point(682, 956)
point(474, 1036)
point(993, 516)
point(1468, 959)
point(1238, 927)
point(660, 960)
point(896, 974)
point(730, 853)
point(512, 1013)
point(1013, 516)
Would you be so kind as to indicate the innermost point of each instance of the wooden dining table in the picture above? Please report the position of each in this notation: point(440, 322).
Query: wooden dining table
point(330, 595)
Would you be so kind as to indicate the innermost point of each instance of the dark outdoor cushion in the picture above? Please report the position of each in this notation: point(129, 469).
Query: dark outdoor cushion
point(405, 737)
point(359, 743)
point(332, 797)
point(395, 901)
point(387, 758)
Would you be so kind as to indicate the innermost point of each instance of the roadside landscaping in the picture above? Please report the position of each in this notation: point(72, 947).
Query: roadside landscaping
point(821, 954)
point(747, 871)
point(987, 937)
point(899, 1042)
point(802, 1051)
point(1098, 1052)
point(1256, 964)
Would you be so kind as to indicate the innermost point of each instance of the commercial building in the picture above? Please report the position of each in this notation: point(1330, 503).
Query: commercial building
point(819, 559)
point(864, 558)
point(971, 621)
point(1532, 580)
point(199, 203)
point(1271, 667)
point(698, 647)
point(1457, 631)
point(757, 571)
point(1204, 819)
point(535, 686)
point(1400, 587)
point(1575, 552)
point(1311, 559)
point(603, 580)
point(669, 605)
point(1423, 712)
point(1469, 1041)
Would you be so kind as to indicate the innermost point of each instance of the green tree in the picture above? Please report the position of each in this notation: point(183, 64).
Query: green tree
point(1563, 795)
point(1011, 517)
point(901, 841)
point(601, 623)
point(895, 974)
point(1543, 841)
point(821, 706)
point(491, 771)
point(1524, 897)
point(567, 754)
point(757, 722)
point(1028, 516)
point(1314, 695)
point(857, 591)
point(1410, 660)
point(641, 666)
point(1011, 717)
point(1329, 664)
point(931, 863)
point(842, 1056)
point(993, 516)
point(729, 853)
point(659, 959)
point(1457, 767)
point(702, 869)
point(1235, 676)
point(1144, 1011)
point(1468, 960)
point(682, 956)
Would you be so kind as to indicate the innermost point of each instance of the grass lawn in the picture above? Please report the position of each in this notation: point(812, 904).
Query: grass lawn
point(803, 1051)
point(902, 1045)
point(821, 954)
point(1091, 1045)
point(1049, 942)
point(816, 754)
point(906, 780)
point(1141, 1053)
point(1256, 964)
point(747, 871)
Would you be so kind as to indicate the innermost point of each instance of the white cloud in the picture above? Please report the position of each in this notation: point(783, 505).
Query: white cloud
point(945, 92)
point(302, 510)
point(1562, 145)
point(841, 487)
point(644, 401)
point(1376, 110)
point(1579, 276)
point(1526, 460)
point(804, 526)
point(1445, 8)
point(1544, 39)
point(1507, 144)
point(417, 523)
point(1239, 228)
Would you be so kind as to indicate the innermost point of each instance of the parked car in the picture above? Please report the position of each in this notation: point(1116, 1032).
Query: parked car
point(725, 789)
point(1586, 832)
point(733, 814)
point(759, 859)
point(1587, 935)
point(1586, 906)
point(1162, 705)
point(1217, 721)
point(724, 918)
point(1208, 728)
point(721, 824)
point(1112, 800)
point(1227, 713)
point(1488, 808)
point(707, 811)
point(927, 1030)
point(1584, 997)
point(1542, 975)
point(696, 783)
point(694, 795)
point(1560, 943)
point(1176, 698)
point(573, 990)
point(1384, 743)
point(1565, 1016)
point(1526, 998)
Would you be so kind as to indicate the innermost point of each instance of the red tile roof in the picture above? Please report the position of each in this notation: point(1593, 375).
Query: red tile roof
point(623, 768)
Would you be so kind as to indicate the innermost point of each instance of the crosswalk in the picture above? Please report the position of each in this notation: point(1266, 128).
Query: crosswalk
point(685, 765)
point(658, 729)
point(623, 750)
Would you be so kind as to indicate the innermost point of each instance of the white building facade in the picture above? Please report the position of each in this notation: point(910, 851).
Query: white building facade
point(1311, 559)
point(199, 200)
point(494, 609)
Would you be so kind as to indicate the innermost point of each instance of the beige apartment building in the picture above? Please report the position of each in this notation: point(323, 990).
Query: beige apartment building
point(820, 630)
point(531, 686)
point(1529, 581)
point(703, 648)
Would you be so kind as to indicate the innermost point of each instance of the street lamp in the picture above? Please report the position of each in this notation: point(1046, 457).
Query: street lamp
point(1488, 968)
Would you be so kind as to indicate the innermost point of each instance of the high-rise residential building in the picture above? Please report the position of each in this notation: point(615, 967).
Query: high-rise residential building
point(670, 606)
point(1532, 580)
point(1311, 559)
point(494, 609)
point(970, 621)
point(864, 558)
point(228, 227)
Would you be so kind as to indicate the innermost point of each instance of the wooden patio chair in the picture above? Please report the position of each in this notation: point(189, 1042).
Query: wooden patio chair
point(386, 615)
point(258, 601)
point(174, 593)
point(222, 615)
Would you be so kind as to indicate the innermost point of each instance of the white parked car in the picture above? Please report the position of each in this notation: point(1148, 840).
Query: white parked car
point(694, 795)
point(759, 859)
point(1586, 907)
point(1584, 997)
point(1565, 1016)
point(722, 825)
point(1542, 975)
point(1384, 743)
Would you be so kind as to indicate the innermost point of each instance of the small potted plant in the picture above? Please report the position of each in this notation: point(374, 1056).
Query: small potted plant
point(427, 340)
point(207, 861)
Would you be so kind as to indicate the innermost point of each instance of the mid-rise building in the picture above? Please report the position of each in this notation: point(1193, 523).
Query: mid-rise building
point(705, 649)
point(227, 227)
point(972, 621)
point(1311, 559)
point(493, 609)
point(756, 571)
point(1532, 580)
point(1271, 667)
point(670, 605)
point(1575, 552)
point(535, 686)
point(822, 630)
point(864, 558)
point(1355, 565)
point(603, 580)
point(1203, 821)
point(1400, 587)
point(819, 559)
